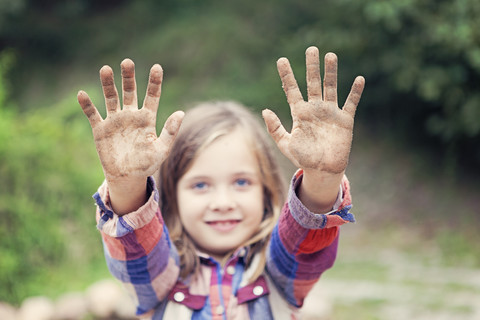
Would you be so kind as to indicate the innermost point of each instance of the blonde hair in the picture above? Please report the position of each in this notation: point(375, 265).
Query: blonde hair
point(202, 125)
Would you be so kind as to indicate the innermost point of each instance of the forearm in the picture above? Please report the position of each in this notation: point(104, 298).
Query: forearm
point(137, 248)
point(297, 257)
point(318, 190)
point(299, 228)
point(304, 244)
point(127, 195)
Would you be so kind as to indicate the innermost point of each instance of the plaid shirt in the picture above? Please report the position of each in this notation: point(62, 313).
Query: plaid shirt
point(140, 254)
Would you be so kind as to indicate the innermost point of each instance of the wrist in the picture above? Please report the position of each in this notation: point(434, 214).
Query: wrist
point(320, 181)
point(127, 194)
point(126, 184)
point(318, 190)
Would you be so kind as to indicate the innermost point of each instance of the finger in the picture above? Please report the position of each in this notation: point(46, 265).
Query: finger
point(276, 129)
point(314, 82)
point(88, 108)
point(330, 78)
point(129, 86)
point(154, 88)
point(354, 96)
point(289, 83)
point(170, 130)
point(109, 90)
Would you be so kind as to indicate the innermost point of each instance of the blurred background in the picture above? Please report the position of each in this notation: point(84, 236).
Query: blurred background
point(414, 252)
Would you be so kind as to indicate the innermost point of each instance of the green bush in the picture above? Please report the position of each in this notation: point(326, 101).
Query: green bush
point(47, 229)
point(420, 58)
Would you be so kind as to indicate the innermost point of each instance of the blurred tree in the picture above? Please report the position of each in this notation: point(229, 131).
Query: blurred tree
point(421, 58)
point(424, 59)
point(45, 174)
point(46, 33)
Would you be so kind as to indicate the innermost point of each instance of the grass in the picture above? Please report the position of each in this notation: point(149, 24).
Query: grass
point(412, 253)
point(379, 281)
point(69, 278)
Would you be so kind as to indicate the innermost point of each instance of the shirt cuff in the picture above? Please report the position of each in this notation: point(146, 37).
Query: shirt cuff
point(339, 215)
point(117, 226)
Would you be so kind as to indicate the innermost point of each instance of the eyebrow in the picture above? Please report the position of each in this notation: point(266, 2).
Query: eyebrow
point(198, 177)
point(245, 172)
point(238, 173)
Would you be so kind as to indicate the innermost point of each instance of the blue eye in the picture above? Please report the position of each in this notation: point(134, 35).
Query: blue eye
point(242, 182)
point(199, 186)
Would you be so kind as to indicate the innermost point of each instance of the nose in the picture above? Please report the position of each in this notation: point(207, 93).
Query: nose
point(222, 201)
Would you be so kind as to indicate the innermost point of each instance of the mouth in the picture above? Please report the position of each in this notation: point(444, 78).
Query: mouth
point(224, 225)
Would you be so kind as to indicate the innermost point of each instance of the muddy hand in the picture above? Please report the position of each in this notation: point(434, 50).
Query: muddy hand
point(321, 134)
point(126, 139)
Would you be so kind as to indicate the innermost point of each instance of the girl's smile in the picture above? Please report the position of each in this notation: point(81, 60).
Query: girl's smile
point(220, 198)
point(223, 225)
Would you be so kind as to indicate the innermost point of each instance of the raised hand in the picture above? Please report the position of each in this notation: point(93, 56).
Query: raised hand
point(126, 139)
point(321, 134)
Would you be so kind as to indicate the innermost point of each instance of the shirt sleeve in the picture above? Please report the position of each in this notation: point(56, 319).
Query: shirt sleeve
point(304, 244)
point(138, 250)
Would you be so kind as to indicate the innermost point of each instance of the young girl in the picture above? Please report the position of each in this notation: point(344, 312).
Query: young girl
point(213, 239)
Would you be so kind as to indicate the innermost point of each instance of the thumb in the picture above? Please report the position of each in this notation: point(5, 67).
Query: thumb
point(276, 130)
point(169, 131)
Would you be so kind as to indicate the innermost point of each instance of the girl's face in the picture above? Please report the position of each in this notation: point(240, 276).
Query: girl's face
point(220, 198)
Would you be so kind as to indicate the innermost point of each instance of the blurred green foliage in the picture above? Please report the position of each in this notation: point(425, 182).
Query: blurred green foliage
point(46, 176)
point(421, 60)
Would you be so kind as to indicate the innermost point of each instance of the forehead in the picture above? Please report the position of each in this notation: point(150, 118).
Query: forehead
point(227, 153)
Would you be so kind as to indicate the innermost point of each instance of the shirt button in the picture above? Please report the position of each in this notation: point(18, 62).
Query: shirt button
point(179, 296)
point(231, 270)
point(258, 290)
point(219, 310)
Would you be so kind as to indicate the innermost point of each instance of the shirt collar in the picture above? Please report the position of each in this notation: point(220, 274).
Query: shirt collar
point(240, 253)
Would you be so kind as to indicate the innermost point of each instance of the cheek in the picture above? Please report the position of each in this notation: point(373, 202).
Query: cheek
point(188, 217)
point(184, 206)
point(190, 206)
point(255, 205)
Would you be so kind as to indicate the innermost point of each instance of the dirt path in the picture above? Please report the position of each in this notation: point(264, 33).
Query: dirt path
point(414, 252)
point(380, 282)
